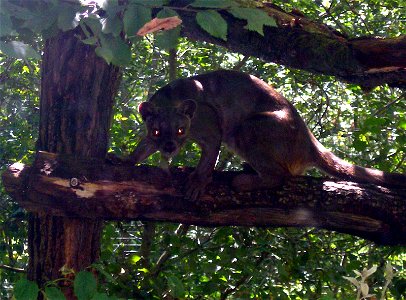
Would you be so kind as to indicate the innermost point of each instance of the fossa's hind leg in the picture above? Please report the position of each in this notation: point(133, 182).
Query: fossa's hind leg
point(270, 146)
point(248, 182)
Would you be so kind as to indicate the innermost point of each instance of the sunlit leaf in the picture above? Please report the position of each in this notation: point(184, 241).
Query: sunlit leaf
point(135, 259)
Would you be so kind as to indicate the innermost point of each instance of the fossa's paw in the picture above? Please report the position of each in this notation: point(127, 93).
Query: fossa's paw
point(196, 186)
point(113, 159)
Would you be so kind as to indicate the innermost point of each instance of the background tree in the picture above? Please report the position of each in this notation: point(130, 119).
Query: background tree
point(193, 261)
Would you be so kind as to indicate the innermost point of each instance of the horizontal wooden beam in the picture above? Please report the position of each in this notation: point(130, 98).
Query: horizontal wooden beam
point(79, 188)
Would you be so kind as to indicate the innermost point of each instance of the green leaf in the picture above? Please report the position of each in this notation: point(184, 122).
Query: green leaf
point(67, 17)
point(105, 53)
point(26, 290)
point(374, 122)
point(114, 50)
point(16, 11)
point(256, 18)
point(135, 259)
point(150, 3)
point(176, 287)
point(101, 296)
point(359, 142)
point(90, 41)
point(214, 3)
point(110, 6)
point(53, 293)
point(84, 285)
point(212, 22)
point(40, 24)
point(112, 24)
point(168, 39)
point(18, 49)
point(166, 13)
point(94, 24)
point(6, 27)
point(135, 17)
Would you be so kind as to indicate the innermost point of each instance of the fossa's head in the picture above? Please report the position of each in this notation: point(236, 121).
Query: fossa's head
point(168, 127)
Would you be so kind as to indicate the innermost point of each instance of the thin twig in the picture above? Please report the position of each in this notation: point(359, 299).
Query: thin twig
point(241, 63)
point(14, 269)
point(329, 14)
point(357, 14)
point(379, 111)
point(244, 279)
point(166, 255)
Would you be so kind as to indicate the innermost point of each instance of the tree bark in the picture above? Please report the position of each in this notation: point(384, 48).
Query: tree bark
point(298, 42)
point(92, 189)
point(77, 92)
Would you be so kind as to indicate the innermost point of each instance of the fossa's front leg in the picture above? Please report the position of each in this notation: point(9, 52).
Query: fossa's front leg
point(202, 175)
point(143, 150)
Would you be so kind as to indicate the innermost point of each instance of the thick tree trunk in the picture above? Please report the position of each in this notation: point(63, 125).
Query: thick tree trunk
point(77, 91)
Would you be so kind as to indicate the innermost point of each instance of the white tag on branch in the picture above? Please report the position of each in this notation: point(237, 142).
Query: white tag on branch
point(157, 24)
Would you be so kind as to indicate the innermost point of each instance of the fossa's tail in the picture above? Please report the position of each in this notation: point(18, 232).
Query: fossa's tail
point(335, 166)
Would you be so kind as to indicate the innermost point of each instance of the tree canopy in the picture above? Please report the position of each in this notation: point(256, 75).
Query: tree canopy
point(328, 87)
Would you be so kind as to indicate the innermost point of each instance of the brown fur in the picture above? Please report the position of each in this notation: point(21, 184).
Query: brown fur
point(251, 119)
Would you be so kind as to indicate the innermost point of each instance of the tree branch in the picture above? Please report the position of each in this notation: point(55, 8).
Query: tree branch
point(68, 186)
point(298, 42)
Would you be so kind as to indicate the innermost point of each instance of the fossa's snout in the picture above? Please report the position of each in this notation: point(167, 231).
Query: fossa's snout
point(169, 147)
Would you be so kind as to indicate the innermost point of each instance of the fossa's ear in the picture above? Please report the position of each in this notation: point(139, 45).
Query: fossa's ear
point(188, 107)
point(146, 109)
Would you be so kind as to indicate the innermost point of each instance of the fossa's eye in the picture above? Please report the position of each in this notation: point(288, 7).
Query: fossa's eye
point(181, 131)
point(156, 132)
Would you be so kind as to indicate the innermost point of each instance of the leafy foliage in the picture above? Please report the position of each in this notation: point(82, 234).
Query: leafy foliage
point(256, 19)
point(19, 107)
point(85, 288)
point(152, 261)
point(103, 22)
